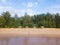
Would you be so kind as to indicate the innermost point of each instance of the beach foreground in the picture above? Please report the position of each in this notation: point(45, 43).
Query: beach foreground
point(29, 36)
point(42, 32)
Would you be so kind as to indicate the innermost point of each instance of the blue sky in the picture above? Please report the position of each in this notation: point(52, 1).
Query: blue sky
point(32, 7)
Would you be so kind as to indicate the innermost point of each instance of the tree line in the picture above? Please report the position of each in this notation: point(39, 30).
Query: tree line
point(47, 20)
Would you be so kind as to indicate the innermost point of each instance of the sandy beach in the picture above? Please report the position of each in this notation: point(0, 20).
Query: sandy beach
point(42, 32)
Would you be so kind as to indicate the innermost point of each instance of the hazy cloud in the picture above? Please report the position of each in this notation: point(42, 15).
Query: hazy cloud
point(31, 7)
point(12, 10)
point(4, 1)
point(30, 4)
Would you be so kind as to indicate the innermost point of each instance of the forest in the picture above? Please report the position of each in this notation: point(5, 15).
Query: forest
point(47, 20)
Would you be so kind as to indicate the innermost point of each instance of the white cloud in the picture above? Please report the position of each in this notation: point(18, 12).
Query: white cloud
point(53, 9)
point(3, 9)
point(41, 1)
point(4, 1)
point(19, 12)
point(29, 7)
point(30, 4)
point(56, 6)
point(30, 11)
point(12, 10)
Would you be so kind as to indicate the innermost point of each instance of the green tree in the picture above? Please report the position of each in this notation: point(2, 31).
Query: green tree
point(17, 21)
point(27, 21)
point(57, 20)
point(7, 17)
point(40, 20)
point(11, 22)
point(2, 21)
point(48, 20)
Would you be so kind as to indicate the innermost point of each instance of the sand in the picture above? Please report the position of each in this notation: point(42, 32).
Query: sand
point(38, 32)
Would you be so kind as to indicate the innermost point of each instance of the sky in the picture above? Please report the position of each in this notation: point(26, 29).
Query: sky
point(32, 7)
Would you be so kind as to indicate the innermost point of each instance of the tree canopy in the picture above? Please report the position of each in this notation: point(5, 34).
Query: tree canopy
point(47, 20)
